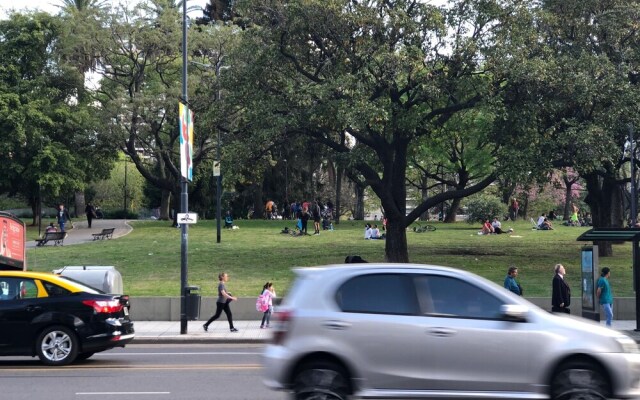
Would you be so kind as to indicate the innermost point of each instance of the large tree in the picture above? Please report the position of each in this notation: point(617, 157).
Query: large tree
point(578, 92)
point(48, 146)
point(389, 74)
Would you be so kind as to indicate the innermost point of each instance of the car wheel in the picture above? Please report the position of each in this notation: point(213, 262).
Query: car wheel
point(321, 381)
point(579, 380)
point(57, 345)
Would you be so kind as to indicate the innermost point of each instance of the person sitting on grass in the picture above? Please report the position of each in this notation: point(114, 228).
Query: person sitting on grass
point(375, 233)
point(546, 225)
point(367, 231)
point(487, 229)
point(497, 227)
point(228, 220)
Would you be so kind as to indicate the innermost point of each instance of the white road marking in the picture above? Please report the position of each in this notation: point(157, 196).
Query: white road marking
point(118, 393)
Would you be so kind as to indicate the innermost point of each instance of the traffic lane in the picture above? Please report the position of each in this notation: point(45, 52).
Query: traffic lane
point(144, 371)
point(158, 356)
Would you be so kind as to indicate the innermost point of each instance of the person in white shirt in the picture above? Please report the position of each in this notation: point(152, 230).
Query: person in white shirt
point(541, 220)
point(367, 231)
point(375, 232)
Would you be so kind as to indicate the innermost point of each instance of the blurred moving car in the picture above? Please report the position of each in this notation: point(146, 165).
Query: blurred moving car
point(58, 319)
point(418, 331)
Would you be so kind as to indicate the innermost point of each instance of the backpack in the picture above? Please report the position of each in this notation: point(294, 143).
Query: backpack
point(262, 303)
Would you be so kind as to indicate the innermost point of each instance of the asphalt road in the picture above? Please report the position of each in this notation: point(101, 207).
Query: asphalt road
point(189, 372)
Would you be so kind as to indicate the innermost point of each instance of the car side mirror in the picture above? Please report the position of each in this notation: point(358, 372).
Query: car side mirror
point(514, 312)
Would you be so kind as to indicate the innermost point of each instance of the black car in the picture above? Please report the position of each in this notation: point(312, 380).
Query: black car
point(58, 319)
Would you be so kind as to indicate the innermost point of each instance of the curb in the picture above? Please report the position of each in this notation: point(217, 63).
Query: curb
point(194, 340)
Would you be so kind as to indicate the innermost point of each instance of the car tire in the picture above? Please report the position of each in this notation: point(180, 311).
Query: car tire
point(57, 345)
point(321, 381)
point(580, 380)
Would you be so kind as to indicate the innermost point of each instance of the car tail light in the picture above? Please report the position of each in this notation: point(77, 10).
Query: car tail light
point(104, 306)
point(281, 326)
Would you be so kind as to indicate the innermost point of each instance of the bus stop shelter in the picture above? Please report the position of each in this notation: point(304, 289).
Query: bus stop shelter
point(632, 235)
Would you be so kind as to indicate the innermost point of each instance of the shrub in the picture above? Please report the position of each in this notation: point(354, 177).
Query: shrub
point(482, 207)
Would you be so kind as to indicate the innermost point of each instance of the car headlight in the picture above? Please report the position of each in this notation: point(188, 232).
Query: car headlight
point(627, 345)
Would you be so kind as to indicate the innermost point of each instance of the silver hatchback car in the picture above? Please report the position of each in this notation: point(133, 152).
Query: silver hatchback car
point(420, 331)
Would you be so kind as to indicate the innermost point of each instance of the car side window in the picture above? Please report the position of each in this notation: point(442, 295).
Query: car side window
point(378, 294)
point(18, 288)
point(451, 297)
point(54, 290)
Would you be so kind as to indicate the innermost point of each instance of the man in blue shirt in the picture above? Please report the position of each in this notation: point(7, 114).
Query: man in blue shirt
point(605, 295)
point(510, 281)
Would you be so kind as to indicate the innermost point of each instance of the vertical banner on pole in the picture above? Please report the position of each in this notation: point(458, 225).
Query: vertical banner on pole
point(186, 141)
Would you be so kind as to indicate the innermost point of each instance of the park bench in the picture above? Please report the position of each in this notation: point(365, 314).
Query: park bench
point(106, 233)
point(56, 237)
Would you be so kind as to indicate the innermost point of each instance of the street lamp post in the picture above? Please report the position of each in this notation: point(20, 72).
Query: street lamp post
point(184, 195)
point(219, 177)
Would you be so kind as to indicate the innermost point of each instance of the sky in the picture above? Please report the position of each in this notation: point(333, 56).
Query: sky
point(50, 5)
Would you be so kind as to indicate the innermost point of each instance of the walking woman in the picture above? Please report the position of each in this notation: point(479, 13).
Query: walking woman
point(222, 304)
point(269, 292)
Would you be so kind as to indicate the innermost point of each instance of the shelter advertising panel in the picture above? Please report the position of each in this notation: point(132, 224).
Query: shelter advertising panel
point(12, 240)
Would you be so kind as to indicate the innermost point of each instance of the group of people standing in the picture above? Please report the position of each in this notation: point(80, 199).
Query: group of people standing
point(225, 298)
point(561, 292)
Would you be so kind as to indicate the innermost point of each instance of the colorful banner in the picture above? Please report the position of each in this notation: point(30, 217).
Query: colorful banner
point(186, 141)
point(12, 239)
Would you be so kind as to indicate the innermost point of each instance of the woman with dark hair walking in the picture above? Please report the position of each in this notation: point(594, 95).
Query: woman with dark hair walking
point(222, 304)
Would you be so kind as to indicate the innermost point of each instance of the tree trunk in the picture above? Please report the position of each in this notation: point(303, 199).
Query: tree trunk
point(165, 202)
point(453, 210)
point(605, 202)
point(79, 204)
point(396, 242)
point(424, 195)
point(358, 212)
point(337, 204)
point(567, 202)
point(258, 204)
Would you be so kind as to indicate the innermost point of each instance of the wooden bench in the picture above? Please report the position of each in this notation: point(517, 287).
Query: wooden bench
point(56, 237)
point(106, 233)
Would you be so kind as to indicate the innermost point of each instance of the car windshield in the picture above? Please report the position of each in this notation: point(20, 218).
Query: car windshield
point(82, 286)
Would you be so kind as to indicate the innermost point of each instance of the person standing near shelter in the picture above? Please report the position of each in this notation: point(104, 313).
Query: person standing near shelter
point(560, 293)
point(222, 304)
point(91, 213)
point(63, 217)
point(510, 282)
point(605, 296)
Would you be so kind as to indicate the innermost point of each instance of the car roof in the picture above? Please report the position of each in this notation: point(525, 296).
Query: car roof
point(375, 266)
point(46, 276)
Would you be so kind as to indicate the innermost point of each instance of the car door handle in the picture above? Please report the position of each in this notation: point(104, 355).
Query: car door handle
point(336, 325)
point(33, 308)
point(441, 332)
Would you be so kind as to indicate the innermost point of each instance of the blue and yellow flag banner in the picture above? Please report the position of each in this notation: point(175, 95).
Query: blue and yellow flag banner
point(186, 141)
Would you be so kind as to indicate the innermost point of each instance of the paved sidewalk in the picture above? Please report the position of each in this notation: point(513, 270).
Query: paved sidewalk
point(81, 233)
point(154, 332)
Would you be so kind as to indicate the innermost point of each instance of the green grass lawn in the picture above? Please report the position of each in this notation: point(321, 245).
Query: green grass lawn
point(149, 257)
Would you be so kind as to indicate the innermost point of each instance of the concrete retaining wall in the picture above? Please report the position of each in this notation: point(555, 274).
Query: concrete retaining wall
point(168, 308)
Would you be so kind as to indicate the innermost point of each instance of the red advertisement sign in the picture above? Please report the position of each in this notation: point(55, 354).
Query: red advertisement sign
point(12, 239)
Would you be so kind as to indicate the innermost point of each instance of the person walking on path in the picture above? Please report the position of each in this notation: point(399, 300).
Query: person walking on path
point(270, 292)
point(222, 304)
point(90, 211)
point(63, 217)
point(560, 293)
point(605, 296)
point(510, 282)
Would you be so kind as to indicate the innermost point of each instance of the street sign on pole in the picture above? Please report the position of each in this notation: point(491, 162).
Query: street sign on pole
point(216, 168)
point(187, 218)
